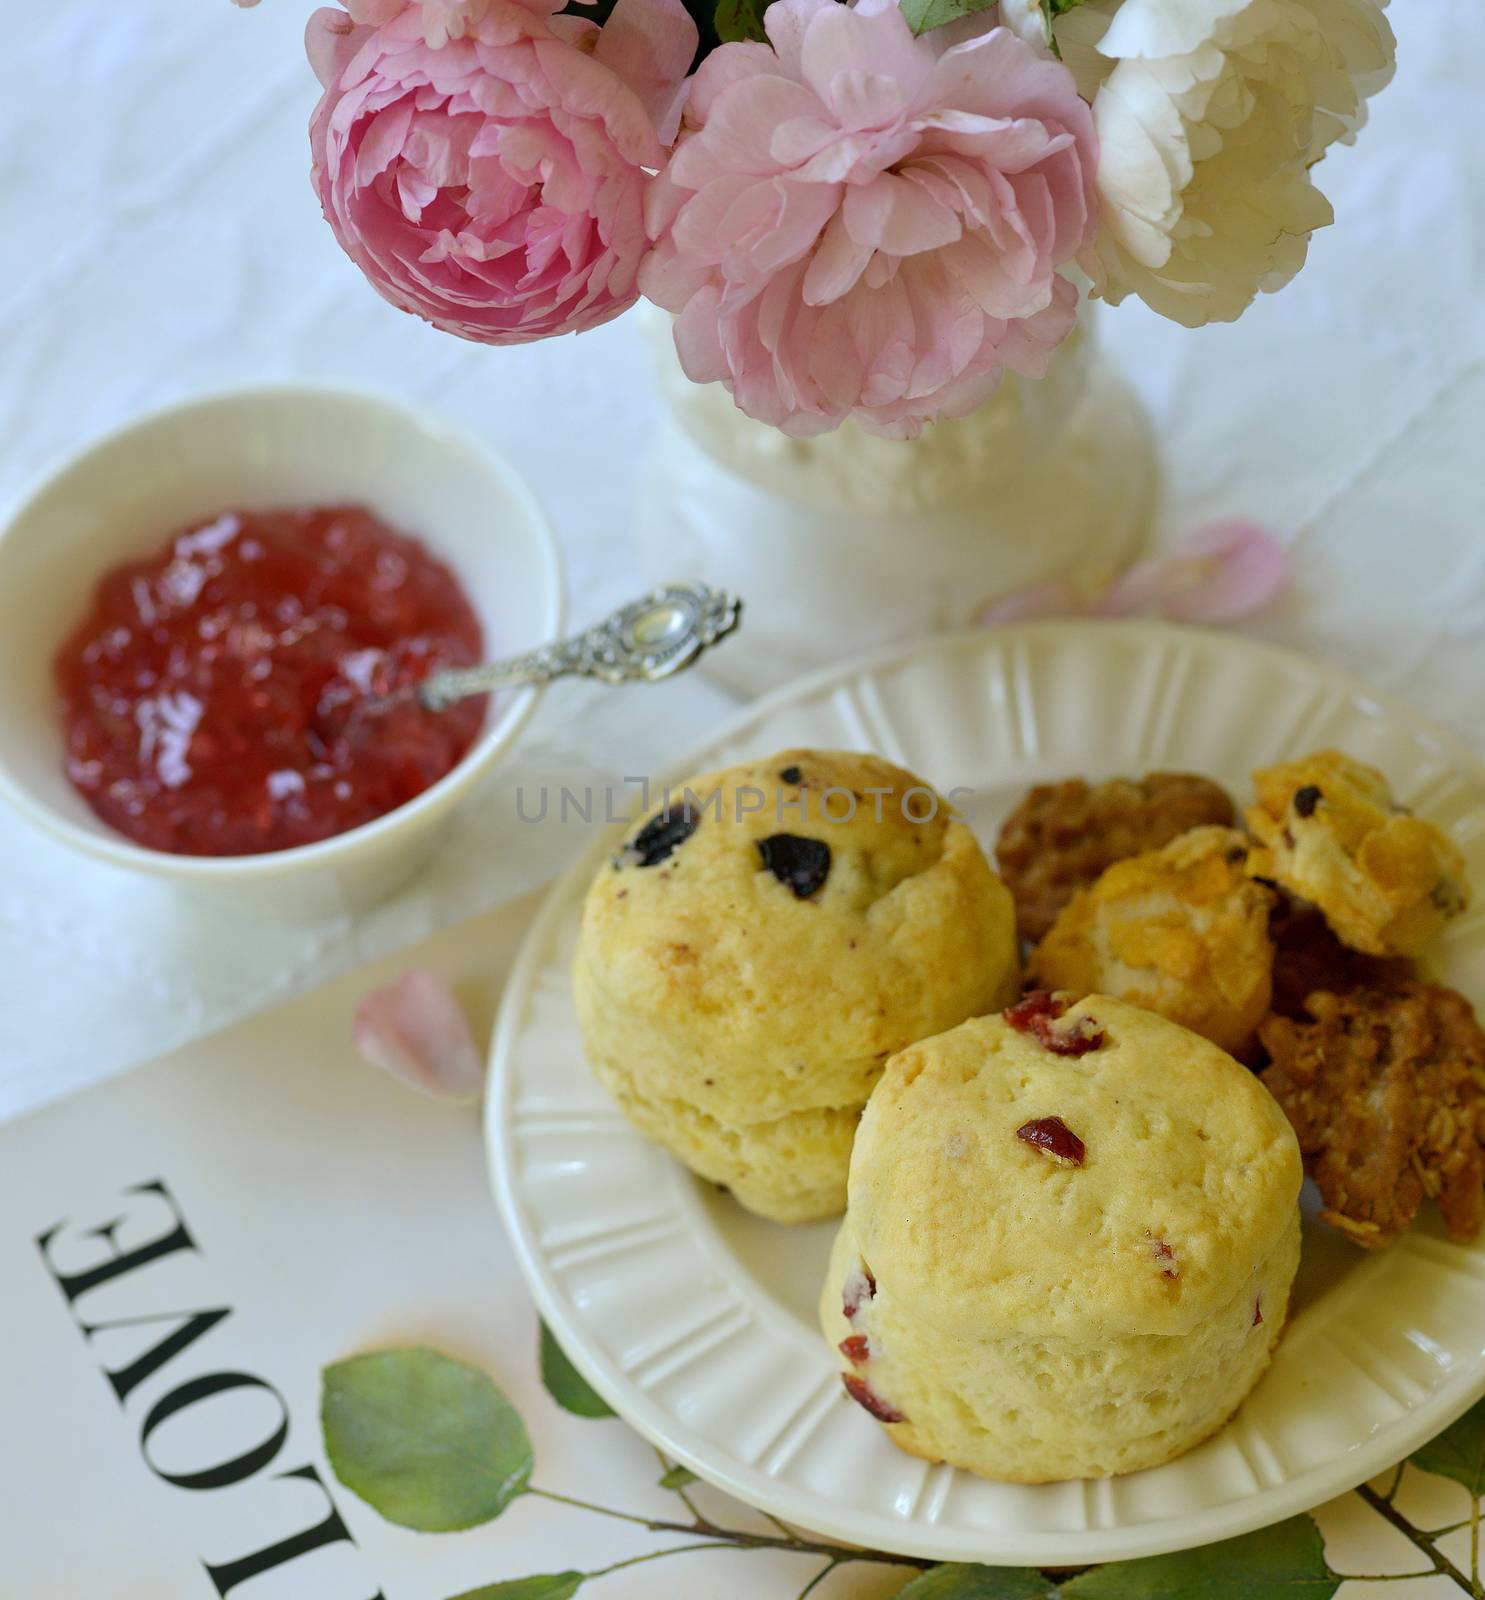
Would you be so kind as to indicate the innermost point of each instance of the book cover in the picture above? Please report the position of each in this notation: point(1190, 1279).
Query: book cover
point(185, 1248)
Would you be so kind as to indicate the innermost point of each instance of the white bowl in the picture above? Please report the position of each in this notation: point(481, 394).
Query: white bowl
point(258, 449)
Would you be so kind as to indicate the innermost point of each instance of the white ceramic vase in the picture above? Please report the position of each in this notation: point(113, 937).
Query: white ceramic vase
point(847, 541)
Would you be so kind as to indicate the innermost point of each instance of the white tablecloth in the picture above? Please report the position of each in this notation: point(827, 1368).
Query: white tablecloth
point(160, 239)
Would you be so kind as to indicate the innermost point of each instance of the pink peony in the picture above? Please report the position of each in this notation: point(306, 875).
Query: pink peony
point(860, 223)
point(483, 161)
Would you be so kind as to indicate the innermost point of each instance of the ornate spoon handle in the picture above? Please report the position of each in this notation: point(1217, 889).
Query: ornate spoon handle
point(647, 640)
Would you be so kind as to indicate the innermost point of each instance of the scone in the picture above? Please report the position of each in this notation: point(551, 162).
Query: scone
point(1183, 931)
point(1331, 833)
point(1069, 1246)
point(748, 962)
point(1064, 835)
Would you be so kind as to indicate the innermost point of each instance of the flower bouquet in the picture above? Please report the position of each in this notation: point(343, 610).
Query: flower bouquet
point(868, 210)
point(865, 214)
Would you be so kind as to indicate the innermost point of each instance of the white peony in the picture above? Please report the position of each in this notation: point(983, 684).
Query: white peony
point(1210, 115)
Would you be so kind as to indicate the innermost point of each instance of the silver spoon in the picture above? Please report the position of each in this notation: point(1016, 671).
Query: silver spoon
point(643, 642)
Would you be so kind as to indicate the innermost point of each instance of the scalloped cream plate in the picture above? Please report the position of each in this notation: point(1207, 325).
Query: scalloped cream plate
point(696, 1321)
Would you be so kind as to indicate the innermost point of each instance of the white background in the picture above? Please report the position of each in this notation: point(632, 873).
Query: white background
point(160, 239)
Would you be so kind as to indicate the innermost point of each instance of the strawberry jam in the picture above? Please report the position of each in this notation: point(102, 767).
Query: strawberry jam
point(215, 700)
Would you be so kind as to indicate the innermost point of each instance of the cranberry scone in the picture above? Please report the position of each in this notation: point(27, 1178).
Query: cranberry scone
point(762, 943)
point(1069, 1245)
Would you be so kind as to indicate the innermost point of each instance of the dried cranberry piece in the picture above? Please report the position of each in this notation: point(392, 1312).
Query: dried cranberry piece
point(799, 864)
point(1052, 1135)
point(1035, 1016)
point(857, 1289)
point(1306, 799)
point(790, 775)
point(1165, 1254)
point(861, 1392)
point(660, 837)
point(1040, 1006)
point(855, 1349)
point(1257, 1311)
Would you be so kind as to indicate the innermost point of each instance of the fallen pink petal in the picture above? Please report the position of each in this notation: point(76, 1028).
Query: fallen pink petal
point(1224, 572)
point(416, 1029)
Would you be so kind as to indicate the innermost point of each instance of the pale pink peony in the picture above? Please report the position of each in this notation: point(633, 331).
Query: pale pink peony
point(860, 223)
point(483, 161)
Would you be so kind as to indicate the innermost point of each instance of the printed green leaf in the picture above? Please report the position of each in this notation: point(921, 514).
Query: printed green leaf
point(957, 1582)
point(430, 1443)
point(1458, 1452)
point(739, 20)
point(566, 1385)
point(1285, 1562)
point(924, 15)
point(678, 1478)
point(546, 1586)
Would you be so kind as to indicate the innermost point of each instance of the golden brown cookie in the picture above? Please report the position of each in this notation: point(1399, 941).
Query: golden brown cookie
point(1384, 1090)
point(1064, 835)
point(1332, 834)
point(1182, 930)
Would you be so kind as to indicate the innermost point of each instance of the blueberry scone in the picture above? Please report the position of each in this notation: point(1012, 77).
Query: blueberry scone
point(1069, 1245)
point(1331, 833)
point(760, 946)
point(1064, 835)
point(1183, 930)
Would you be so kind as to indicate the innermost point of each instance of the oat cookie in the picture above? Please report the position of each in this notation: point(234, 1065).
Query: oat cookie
point(1308, 958)
point(1386, 1092)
